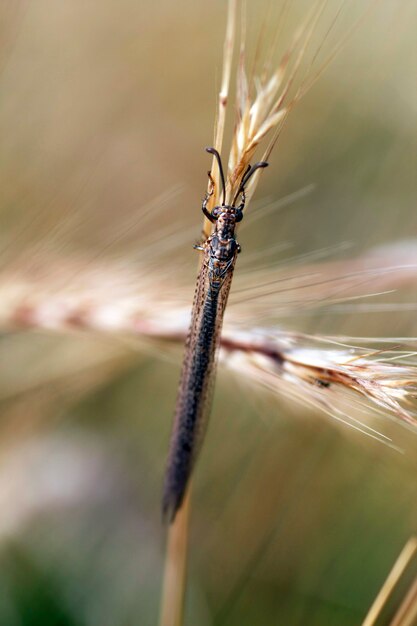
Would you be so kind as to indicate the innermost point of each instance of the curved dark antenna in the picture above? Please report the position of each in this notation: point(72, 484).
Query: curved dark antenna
point(219, 163)
point(247, 175)
point(250, 172)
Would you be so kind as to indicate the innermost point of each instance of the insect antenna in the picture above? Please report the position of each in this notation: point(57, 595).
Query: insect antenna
point(246, 176)
point(219, 163)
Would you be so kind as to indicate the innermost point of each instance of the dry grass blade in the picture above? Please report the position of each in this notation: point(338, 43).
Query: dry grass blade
point(264, 101)
point(174, 585)
point(407, 613)
point(262, 105)
point(331, 372)
point(176, 557)
point(228, 49)
point(408, 553)
point(330, 379)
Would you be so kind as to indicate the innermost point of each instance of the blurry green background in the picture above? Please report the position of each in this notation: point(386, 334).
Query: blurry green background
point(105, 106)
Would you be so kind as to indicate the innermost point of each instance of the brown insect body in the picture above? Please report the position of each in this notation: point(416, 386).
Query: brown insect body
point(199, 366)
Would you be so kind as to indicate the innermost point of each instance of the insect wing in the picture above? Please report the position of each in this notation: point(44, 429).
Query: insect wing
point(196, 383)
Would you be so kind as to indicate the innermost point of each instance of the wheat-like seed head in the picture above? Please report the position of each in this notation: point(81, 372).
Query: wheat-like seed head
point(263, 102)
point(328, 374)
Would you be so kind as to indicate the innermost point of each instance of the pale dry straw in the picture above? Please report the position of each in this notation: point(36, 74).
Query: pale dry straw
point(407, 611)
point(383, 373)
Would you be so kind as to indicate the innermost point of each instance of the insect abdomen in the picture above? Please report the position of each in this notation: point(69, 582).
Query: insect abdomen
point(189, 423)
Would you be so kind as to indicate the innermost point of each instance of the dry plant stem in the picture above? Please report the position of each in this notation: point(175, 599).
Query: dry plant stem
point(407, 554)
point(174, 585)
point(386, 378)
point(229, 45)
point(173, 594)
point(407, 613)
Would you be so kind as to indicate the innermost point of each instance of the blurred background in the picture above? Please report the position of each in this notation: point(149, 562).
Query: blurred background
point(105, 109)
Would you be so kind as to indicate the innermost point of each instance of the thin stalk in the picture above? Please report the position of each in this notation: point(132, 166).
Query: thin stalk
point(174, 585)
point(229, 46)
point(407, 554)
point(407, 613)
point(175, 573)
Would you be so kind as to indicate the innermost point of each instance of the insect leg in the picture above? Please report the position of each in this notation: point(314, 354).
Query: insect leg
point(207, 198)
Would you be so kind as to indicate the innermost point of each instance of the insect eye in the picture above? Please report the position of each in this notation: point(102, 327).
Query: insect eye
point(216, 212)
point(239, 215)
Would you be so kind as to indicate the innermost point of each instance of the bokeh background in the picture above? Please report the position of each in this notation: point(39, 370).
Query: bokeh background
point(104, 110)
